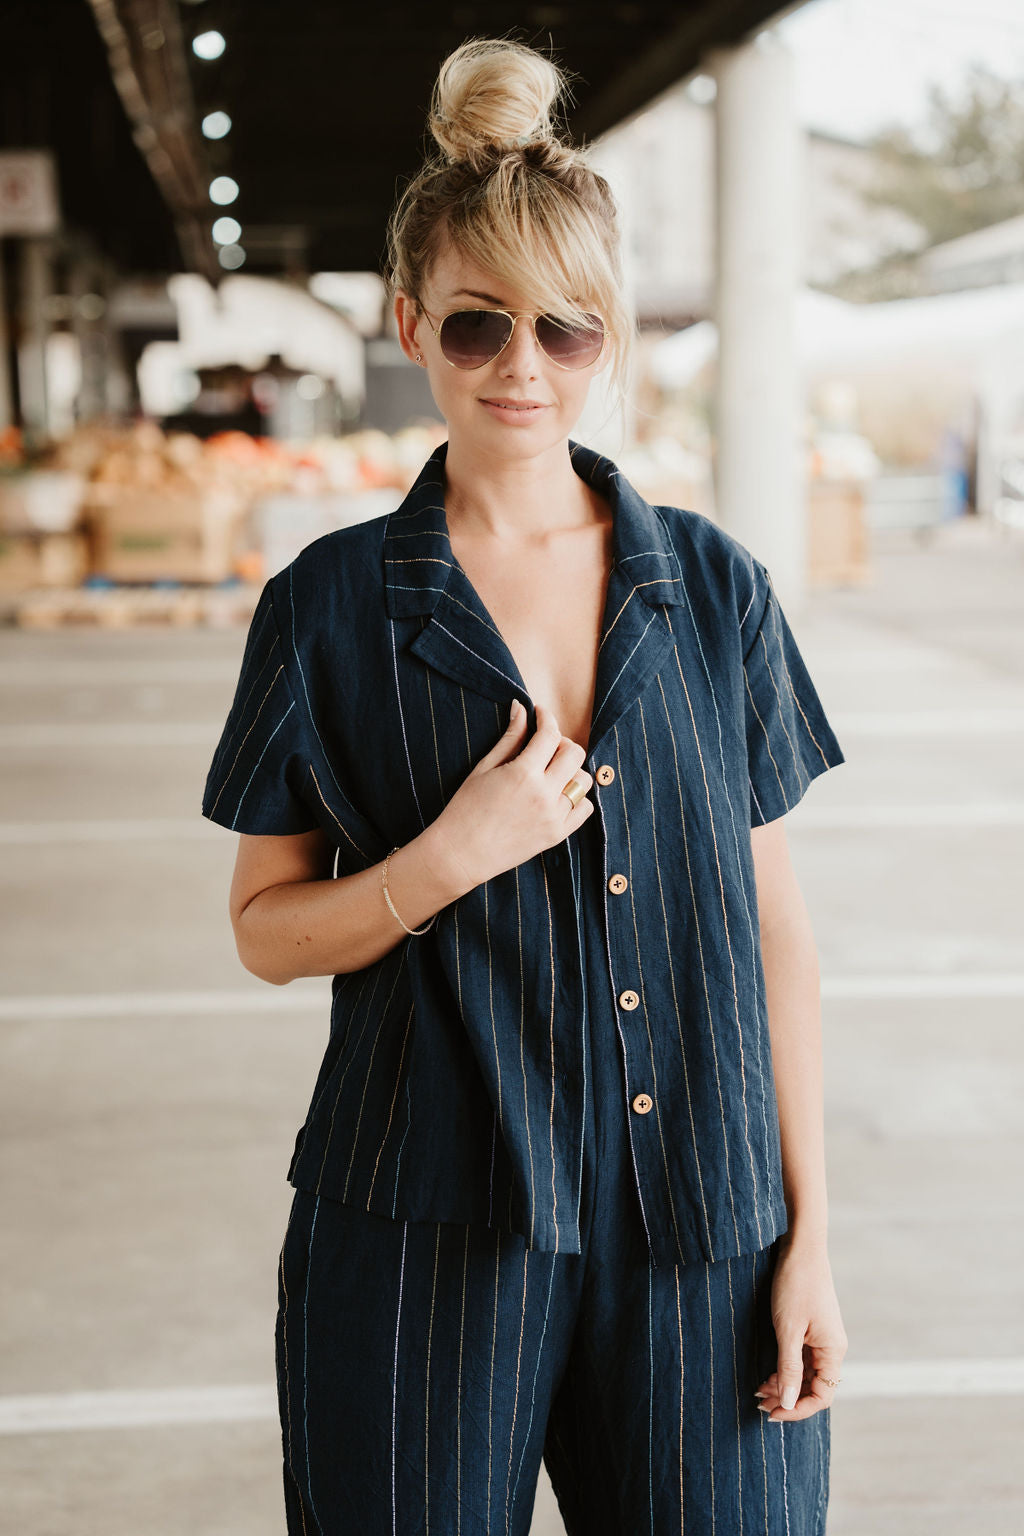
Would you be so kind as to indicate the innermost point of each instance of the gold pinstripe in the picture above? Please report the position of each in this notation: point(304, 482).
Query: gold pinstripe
point(760, 1415)
point(551, 1036)
point(391, 1111)
point(679, 1324)
point(704, 975)
point(458, 1412)
point(490, 1385)
point(711, 1384)
point(287, 1370)
point(789, 680)
point(426, 1422)
point(643, 994)
point(341, 1084)
point(515, 1399)
point(732, 964)
point(522, 1060)
point(338, 822)
point(767, 740)
point(778, 701)
point(736, 1393)
point(274, 645)
point(385, 1016)
point(245, 738)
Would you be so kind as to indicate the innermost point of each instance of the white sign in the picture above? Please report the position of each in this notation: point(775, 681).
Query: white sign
point(28, 192)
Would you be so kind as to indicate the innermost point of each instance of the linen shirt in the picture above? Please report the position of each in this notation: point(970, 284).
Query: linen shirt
point(451, 1088)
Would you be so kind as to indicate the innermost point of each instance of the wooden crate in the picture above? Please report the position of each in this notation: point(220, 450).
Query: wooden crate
point(30, 560)
point(149, 535)
point(837, 540)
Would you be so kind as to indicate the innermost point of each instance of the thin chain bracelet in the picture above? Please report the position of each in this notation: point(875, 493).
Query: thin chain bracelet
point(387, 898)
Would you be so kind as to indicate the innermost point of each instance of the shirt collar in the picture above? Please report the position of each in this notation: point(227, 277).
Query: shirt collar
point(419, 561)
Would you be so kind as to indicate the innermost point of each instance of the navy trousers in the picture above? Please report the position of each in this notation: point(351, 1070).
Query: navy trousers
point(426, 1368)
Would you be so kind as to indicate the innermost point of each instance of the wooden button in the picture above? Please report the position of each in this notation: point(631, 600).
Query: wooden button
point(643, 1103)
point(617, 884)
point(629, 1000)
point(605, 774)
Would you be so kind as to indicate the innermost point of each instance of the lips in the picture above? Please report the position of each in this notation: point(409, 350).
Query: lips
point(517, 405)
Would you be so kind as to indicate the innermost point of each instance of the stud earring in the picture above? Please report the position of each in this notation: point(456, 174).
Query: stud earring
point(419, 357)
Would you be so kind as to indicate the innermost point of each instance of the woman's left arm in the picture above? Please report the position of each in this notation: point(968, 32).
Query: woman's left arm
point(805, 1310)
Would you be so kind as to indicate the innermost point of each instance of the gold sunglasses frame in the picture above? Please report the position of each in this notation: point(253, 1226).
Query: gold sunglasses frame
point(509, 314)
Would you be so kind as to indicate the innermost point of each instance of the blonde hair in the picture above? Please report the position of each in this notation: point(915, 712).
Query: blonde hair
point(511, 196)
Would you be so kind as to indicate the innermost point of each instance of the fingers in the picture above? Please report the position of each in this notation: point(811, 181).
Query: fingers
point(813, 1395)
point(790, 1370)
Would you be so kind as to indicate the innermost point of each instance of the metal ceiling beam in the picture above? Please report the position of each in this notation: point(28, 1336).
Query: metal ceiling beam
point(149, 68)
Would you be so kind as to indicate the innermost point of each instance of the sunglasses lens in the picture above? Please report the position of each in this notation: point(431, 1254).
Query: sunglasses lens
point(471, 337)
point(574, 346)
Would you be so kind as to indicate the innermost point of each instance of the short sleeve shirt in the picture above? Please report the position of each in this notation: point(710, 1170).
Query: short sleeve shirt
point(372, 682)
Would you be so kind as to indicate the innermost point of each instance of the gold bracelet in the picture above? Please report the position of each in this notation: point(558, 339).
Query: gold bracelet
point(387, 898)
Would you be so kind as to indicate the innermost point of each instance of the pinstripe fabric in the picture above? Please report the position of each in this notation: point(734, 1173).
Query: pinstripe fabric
point(450, 1090)
point(438, 1363)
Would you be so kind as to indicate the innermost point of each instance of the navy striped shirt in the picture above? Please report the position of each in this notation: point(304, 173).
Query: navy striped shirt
point(451, 1088)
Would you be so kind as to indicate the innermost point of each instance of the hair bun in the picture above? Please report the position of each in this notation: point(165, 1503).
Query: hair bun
point(493, 95)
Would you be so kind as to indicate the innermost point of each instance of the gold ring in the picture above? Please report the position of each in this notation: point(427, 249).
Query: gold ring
point(828, 1379)
point(575, 791)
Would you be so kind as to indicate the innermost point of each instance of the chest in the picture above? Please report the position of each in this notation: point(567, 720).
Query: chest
point(548, 606)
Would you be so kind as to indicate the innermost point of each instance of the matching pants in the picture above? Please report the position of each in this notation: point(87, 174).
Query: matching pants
point(425, 1369)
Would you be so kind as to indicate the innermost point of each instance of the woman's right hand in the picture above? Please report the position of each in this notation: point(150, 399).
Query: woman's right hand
point(510, 806)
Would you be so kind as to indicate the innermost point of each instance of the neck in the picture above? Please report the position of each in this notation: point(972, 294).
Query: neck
point(512, 498)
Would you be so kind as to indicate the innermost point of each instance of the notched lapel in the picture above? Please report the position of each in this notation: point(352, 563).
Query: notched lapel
point(636, 639)
point(458, 636)
point(459, 639)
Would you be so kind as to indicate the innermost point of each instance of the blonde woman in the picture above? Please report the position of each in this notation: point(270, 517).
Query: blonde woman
point(510, 765)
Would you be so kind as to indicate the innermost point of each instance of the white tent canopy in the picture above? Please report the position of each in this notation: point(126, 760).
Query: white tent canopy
point(974, 326)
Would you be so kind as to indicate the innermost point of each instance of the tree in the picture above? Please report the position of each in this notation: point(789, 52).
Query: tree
point(964, 167)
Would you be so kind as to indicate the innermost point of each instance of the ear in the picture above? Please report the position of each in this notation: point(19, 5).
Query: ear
point(408, 322)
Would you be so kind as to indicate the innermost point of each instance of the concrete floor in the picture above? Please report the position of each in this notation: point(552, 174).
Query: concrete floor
point(145, 1133)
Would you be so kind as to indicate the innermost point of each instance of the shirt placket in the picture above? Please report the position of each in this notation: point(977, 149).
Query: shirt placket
point(624, 976)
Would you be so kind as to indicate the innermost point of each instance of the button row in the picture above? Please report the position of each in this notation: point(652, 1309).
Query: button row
point(642, 1102)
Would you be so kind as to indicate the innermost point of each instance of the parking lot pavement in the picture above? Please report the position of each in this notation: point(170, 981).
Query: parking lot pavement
point(151, 1089)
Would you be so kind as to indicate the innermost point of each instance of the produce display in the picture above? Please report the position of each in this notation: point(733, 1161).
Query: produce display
point(138, 505)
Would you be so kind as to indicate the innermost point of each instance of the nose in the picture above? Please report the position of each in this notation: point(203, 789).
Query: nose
point(522, 349)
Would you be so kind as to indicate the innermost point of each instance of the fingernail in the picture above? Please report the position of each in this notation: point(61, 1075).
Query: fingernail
point(760, 1393)
point(516, 707)
point(788, 1398)
point(763, 1408)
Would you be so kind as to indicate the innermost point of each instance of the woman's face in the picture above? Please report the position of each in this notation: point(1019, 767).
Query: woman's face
point(471, 399)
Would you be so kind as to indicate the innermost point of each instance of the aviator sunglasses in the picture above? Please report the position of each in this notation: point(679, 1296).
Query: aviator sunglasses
point(469, 338)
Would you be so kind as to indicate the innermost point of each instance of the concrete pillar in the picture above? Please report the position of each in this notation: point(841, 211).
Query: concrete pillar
point(760, 481)
point(6, 391)
point(92, 346)
point(36, 283)
point(120, 388)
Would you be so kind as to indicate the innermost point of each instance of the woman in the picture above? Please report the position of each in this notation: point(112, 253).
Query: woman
point(559, 1193)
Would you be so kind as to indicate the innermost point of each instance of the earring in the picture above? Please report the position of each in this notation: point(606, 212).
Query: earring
point(419, 357)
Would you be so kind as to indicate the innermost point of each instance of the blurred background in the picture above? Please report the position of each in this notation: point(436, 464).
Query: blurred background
point(823, 229)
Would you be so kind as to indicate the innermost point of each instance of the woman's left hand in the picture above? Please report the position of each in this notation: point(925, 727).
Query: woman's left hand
point(809, 1329)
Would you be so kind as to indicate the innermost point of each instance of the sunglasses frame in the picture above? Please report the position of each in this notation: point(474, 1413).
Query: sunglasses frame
point(509, 314)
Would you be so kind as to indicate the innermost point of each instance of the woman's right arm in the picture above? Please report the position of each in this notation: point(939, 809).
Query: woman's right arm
point(291, 918)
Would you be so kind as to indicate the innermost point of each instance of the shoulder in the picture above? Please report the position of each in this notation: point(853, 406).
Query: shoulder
point(339, 575)
point(717, 570)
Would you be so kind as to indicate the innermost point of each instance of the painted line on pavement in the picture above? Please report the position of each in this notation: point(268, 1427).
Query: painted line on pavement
point(987, 813)
point(312, 993)
point(100, 733)
point(315, 993)
point(138, 830)
point(45, 1412)
point(929, 722)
